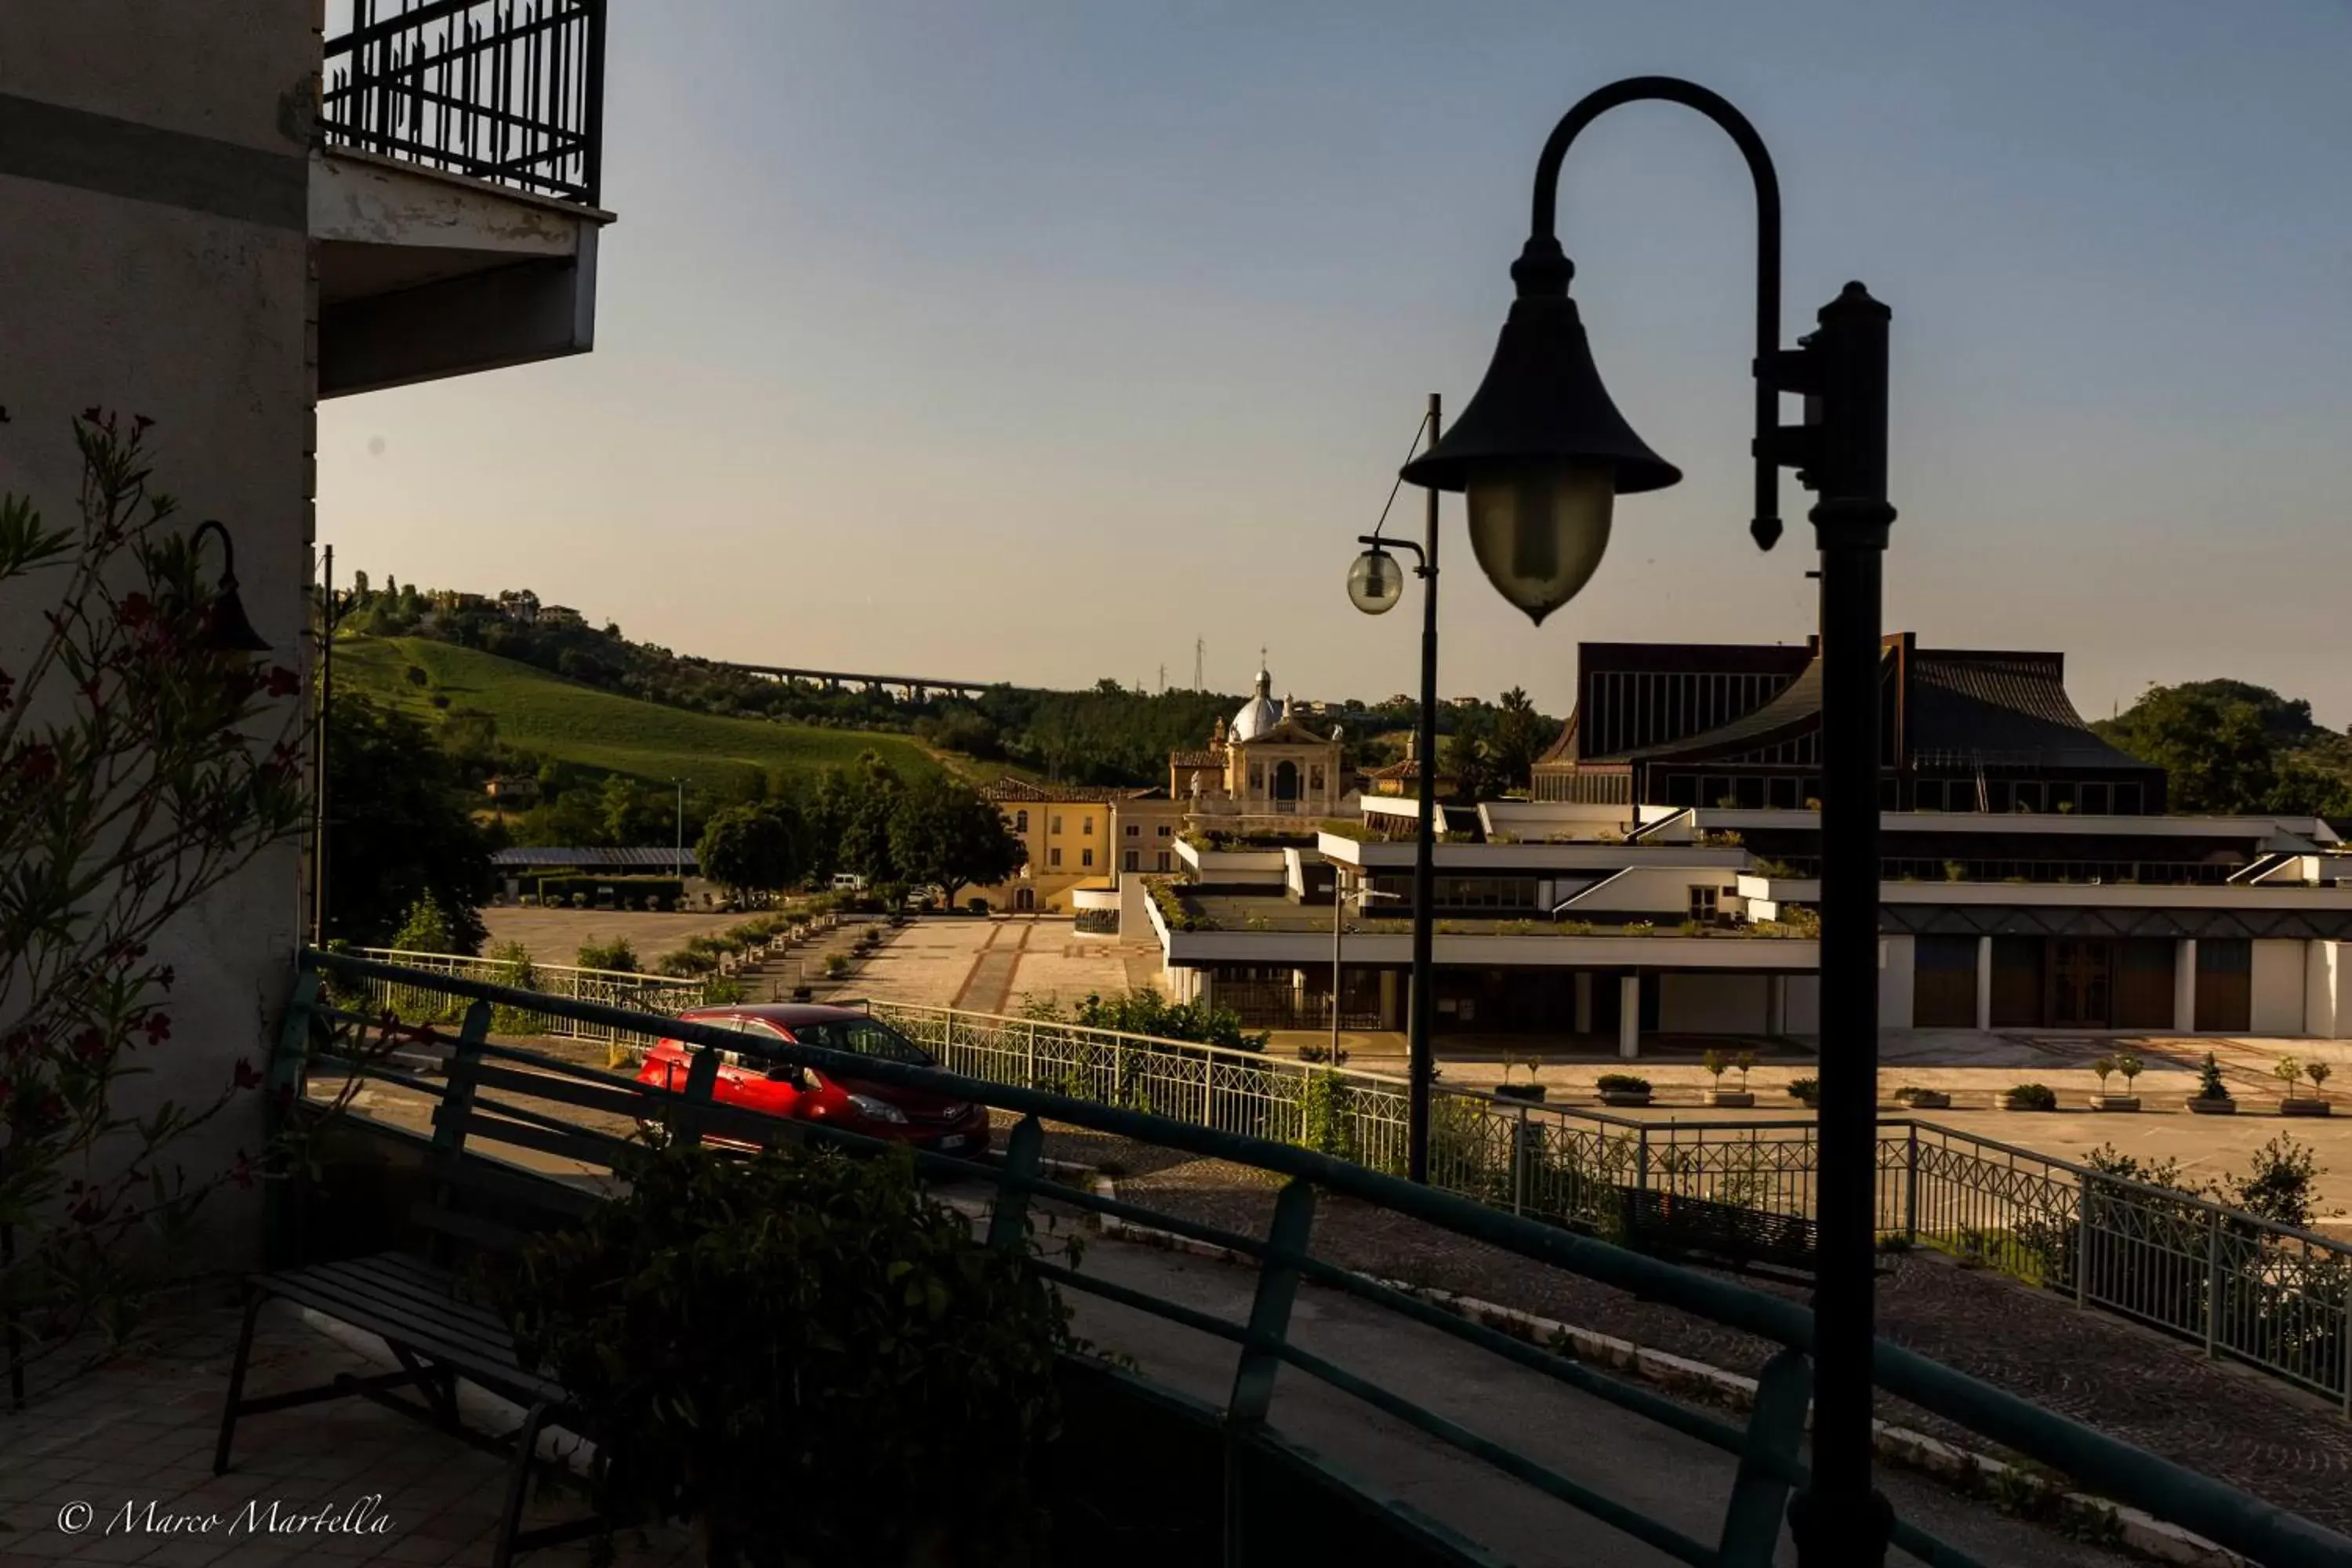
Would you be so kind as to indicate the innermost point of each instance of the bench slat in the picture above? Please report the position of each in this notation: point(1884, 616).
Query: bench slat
point(486, 1125)
point(495, 1368)
point(427, 1292)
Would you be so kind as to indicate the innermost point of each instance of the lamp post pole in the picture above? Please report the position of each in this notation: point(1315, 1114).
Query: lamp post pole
point(1541, 451)
point(1419, 1043)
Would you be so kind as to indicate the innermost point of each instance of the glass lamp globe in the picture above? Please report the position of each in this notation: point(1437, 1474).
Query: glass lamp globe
point(1375, 582)
point(1540, 528)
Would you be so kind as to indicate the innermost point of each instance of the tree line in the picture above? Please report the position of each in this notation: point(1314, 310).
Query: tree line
point(2228, 746)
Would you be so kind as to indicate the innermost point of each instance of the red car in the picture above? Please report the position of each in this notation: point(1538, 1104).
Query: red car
point(756, 1077)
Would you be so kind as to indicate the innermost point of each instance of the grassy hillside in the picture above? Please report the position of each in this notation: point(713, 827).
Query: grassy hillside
point(574, 724)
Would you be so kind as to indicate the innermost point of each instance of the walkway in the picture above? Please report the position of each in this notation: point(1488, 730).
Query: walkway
point(1664, 1474)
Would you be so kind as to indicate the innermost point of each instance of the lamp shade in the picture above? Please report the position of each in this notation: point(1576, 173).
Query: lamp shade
point(1541, 451)
point(229, 630)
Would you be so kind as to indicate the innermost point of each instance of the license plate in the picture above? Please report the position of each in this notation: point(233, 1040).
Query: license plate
point(952, 1140)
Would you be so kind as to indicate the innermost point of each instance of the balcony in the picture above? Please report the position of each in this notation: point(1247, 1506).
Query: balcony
point(454, 190)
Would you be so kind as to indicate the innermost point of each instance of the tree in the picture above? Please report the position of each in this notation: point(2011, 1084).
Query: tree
point(1519, 737)
point(426, 928)
point(399, 827)
point(2227, 746)
point(633, 812)
point(1470, 761)
point(856, 810)
point(942, 831)
point(751, 848)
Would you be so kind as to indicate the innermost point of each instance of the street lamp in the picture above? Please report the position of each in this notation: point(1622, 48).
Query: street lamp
point(1541, 453)
point(1375, 582)
point(226, 625)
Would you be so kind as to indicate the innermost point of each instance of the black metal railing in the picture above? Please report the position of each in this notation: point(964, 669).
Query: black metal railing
point(509, 92)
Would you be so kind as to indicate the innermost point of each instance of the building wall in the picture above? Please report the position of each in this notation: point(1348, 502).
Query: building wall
point(1711, 1004)
point(2279, 981)
point(2327, 990)
point(169, 277)
point(1155, 824)
point(1805, 1005)
point(1084, 826)
point(1896, 977)
point(1663, 893)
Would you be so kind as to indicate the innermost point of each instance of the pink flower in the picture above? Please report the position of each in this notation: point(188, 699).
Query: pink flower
point(158, 1028)
point(247, 1076)
point(283, 682)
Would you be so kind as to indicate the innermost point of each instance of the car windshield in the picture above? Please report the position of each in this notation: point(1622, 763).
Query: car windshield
point(866, 1037)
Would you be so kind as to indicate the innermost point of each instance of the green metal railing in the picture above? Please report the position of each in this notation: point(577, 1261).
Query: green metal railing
point(321, 1034)
point(2240, 1287)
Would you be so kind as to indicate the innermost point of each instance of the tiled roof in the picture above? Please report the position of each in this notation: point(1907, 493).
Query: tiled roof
point(1202, 759)
point(1023, 792)
point(2003, 707)
point(1408, 769)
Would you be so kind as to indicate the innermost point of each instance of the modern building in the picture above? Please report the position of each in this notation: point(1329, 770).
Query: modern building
point(1739, 725)
point(2069, 904)
point(217, 216)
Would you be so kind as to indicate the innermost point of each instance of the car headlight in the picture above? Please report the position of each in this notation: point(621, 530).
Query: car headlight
point(875, 1109)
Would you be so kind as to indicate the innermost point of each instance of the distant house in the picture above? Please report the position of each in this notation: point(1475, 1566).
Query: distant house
point(518, 791)
point(559, 616)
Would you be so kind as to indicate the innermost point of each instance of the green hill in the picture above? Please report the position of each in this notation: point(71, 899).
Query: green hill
point(568, 722)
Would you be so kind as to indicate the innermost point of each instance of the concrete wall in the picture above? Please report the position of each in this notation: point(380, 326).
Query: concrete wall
point(1805, 1005)
point(2328, 989)
point(166, 274)
point(1711, 1004)
point(2278, 986)
point(1662, 892)
point(1895, 982)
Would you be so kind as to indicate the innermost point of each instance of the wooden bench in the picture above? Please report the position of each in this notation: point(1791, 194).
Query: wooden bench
point(420, 1305)
point(1680, 1229)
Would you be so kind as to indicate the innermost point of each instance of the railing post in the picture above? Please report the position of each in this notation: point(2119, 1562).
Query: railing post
point(1911, 1189)
point(1008, 1218)
point(701, 1080)
point(1520, 1163)
point(1642, 1159)
point(2212, 1278)
point(2082, 1240)
point(1030, 1078)
point(1759, 1493)
point(1261, 1355)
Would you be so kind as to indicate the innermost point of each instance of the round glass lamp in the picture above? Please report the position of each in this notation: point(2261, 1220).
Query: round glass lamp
point(1375, 582)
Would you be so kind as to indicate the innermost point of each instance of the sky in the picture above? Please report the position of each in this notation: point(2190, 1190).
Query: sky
point(1035, 341)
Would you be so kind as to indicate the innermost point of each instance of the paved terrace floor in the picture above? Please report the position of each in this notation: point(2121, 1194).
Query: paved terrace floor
point(141, 1431)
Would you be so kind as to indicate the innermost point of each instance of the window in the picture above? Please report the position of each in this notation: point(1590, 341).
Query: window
point(1927, 795)
point(867, 1038)
point(1019, 822)
point(2026, 796)
point(1085, 857)
point(1257, 776)
point(1134, 861)
point(1163, 830)
point(1087, 825)
point(1053, 856)
point(1784, 793)
point(1134, 830)
point(2092, 800)
point(1161, 859)
point(1703, 903)
point(1057, 824)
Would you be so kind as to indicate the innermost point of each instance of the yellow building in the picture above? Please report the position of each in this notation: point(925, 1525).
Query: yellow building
point(1072, 835)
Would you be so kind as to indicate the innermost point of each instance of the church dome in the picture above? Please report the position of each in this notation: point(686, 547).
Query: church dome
point(1259, 714)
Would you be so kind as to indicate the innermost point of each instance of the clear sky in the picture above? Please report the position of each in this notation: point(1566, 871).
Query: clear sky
point(1035, 340)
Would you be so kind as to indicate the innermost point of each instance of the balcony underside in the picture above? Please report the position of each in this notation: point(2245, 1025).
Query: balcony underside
point(425, 274)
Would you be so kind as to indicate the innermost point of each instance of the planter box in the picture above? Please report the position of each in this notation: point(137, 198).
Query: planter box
point(2303, 1108)
point(2198, 1105)
point(2114, 1102)
point(1927, 1100)
point(1625, 1097)
point(1529, 1092)
point(1732, 1098)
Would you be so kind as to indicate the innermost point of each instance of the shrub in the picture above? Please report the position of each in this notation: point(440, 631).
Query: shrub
point(2105, 1066)
point(1716, 1064)
point(2032, 1097)
point(1907, 1094)
point(1622, 1083)
point(835, 965)
point(799, 1348)
point(2289, 1072)
point(2209, 1081)
point(1324, 1053)
point(619, 954)
point(1637, 927)
point(426, 928)
point(1805, 1089)
point(2278, 1184)
point(1693, 928)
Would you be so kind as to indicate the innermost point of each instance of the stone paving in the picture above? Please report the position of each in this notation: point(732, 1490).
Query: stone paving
point(116, 1467)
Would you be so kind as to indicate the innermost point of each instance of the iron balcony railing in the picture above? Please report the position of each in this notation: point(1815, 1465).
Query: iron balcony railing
point(2240, 1287)
point(329, 1030)
point(501, 90)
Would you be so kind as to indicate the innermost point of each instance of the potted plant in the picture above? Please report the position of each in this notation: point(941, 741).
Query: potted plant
point(2212, 1096)
point(1919, 1098)
point(1805, 1091)
point(1716, 1064)
point(767, 1347)
point(1623, 1088)
point(2290, 1072)
point(1530, 1090)
point(1744, 1061)
point(2032, 1097)
point(2106, 1067)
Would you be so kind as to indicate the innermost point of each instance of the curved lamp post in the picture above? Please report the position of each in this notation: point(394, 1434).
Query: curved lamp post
point(1541, 454)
